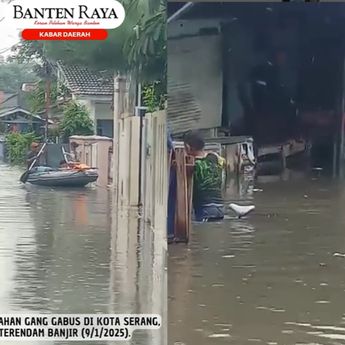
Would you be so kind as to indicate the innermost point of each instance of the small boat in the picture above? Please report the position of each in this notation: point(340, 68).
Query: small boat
point(43, 176)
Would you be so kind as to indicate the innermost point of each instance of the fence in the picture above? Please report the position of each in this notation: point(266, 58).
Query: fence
point(154, 190)
point(142, 165)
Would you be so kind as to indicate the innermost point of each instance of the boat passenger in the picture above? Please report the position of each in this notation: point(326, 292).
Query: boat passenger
point(208, 203)
point(32, 155)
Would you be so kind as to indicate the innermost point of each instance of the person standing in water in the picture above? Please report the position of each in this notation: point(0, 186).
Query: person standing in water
point(208, 203)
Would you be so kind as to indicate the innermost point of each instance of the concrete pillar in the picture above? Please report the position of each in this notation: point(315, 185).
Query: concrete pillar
point(120, 97)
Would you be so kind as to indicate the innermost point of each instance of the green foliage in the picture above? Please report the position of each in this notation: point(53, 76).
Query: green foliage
point(154, 96)
point(13, 75)
point(36, 99)
point(146, 49)
point(76, 121)
point(17, 144)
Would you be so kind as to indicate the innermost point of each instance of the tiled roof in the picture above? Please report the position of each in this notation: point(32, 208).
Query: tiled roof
point(82, 81)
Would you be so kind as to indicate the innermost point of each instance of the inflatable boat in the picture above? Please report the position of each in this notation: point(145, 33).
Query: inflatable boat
point(44, 176)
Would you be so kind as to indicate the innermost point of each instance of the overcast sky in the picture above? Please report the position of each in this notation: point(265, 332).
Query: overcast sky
point(9, 35)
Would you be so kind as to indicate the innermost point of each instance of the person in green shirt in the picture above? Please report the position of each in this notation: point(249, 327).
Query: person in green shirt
point(208, 203)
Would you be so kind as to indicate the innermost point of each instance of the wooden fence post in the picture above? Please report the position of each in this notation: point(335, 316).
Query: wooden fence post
point(184, 166)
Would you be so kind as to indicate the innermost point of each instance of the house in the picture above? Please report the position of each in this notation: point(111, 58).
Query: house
point(14, 115)
point(92, 89)
point(9, 100)
point(20, 120)
point(267, 70)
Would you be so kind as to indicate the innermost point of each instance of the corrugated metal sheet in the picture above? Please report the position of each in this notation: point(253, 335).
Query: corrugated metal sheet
point(183, 111)
point(195, 82)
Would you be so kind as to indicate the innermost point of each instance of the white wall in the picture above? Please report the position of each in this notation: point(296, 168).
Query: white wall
point(103, 111)
point(98, 106)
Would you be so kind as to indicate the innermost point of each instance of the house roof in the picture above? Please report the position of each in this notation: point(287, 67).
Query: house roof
point(11, 111)
point(82, 81)
point(6, 97)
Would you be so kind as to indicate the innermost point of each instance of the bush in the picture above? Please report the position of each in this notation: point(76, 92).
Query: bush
point(76, 121)
point(17, 145)
point(154, 96)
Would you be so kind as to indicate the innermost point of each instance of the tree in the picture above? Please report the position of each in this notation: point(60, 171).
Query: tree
point(36, 99)
point(76, 121)
point(13, 75)
point(17, 145)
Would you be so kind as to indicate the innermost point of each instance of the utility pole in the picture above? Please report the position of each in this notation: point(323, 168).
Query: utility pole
point(120, 93)
point(47, 72)
point(47, 99)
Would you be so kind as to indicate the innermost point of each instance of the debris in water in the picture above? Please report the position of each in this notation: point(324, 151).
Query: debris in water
point(228, 256)
point(261, 82)
point(218, 285)
point(219, 335)
point(339, 255)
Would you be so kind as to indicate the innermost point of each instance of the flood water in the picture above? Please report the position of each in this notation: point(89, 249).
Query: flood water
point(66, 251)
point(277, 277)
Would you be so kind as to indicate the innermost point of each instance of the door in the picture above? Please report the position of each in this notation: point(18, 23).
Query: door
point(105, 128)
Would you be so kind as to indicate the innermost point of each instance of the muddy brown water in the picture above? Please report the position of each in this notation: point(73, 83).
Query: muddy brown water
point(65, 251)
point(276, 277)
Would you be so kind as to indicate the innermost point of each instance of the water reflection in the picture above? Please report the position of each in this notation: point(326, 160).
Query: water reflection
point(273, 278)
point(138, 271)
point(67, 252)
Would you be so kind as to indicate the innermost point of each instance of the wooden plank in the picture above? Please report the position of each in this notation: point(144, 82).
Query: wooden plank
point(270, 150)
point(230, 140)
point(184, 166)
point(181, 217)
point(289, 148)
point(190, 170)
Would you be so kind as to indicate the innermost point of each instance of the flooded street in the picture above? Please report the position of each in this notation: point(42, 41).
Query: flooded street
point(277, 277)
point(65, 251)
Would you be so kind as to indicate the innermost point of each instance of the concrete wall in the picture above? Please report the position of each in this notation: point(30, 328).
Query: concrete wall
point(94, 151)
